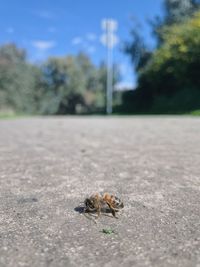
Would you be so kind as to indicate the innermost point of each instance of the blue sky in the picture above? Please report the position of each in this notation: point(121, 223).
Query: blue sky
point(49, 27)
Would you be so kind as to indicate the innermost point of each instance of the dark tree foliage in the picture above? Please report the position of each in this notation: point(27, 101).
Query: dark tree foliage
point(137, 50)
point(60, 85)
point(12, 54)
point(19, 81)
point(71, 83)
point(175, 11)
point(170, 75)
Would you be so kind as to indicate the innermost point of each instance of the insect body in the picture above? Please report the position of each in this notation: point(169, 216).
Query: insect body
point(97, 202)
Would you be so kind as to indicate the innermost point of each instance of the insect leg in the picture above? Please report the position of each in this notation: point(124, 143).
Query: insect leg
point(113, 210)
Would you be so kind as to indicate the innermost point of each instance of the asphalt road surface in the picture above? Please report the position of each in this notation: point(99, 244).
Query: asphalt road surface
point(49, 165)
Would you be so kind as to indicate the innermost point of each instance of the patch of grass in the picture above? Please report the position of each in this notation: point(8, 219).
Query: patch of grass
point(108, 231)
point(11, 115)
point(7, 116)
point(195, 112)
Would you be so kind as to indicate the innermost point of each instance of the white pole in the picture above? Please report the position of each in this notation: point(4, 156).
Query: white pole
point(109, 74)
point(109, 39)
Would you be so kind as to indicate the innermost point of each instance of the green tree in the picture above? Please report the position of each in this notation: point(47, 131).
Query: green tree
point(175, 65)
point(72, 85)
point(18, 81)
point(137, 50)
point(175, 11)
point(61, 85)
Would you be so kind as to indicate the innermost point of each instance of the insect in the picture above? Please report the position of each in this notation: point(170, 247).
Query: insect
point(98, 202)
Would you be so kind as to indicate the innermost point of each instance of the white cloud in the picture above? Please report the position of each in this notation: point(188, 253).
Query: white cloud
point(77, 40)
point(85, 42)
point(126, 85)
point(10, 30)
point(43, 45)
point(45, 14)
point(91, 36)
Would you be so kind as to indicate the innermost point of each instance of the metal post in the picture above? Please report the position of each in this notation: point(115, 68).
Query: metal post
point(109, 39)
point(109, 75)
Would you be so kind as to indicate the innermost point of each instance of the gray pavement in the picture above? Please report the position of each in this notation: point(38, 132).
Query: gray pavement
point(49, 165)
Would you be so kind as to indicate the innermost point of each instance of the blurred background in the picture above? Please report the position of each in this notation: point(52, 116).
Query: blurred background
point(53, 57)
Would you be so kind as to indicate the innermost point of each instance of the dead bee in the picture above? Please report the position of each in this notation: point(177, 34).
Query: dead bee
point(97, 202)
